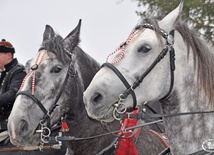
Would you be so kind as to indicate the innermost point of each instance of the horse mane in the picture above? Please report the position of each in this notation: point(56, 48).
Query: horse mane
point(202, 55)
point(203, 58)
point(84, 60)
point(55, 47)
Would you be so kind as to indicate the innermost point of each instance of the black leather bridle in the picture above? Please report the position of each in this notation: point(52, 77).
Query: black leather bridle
point(167, 48)
point(71, 72)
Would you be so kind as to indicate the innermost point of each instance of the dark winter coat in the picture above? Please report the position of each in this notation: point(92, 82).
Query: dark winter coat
point(10, 81)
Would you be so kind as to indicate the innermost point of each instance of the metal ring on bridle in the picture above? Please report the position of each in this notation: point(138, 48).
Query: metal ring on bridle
point(42, 122)
point(44, 140)
point(114, 115)
point(120, 105)
point(46, 132)
point(121, 97)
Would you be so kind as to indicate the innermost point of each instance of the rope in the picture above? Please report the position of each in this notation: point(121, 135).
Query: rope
point(122, 47)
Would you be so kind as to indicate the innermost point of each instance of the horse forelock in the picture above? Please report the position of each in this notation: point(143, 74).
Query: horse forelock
point(203, 59)
point(154, 23)
point(55, 46)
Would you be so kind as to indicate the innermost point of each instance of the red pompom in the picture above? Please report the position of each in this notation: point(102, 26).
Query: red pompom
point(64, 127)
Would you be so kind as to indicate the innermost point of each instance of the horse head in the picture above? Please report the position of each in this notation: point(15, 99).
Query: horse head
point(45, 95)
point(138, 71)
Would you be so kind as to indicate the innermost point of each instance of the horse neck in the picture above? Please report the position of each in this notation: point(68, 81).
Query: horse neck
point(185, 133)
point(82, 126)
point(86, 66)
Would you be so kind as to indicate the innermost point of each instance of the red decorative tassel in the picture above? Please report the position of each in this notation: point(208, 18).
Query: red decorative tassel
point(64, 127)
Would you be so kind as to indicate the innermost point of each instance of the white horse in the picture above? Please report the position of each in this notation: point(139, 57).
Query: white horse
point(167, 61)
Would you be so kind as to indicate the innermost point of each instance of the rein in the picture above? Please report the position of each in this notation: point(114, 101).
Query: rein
point(144, 115)
point(73, 138)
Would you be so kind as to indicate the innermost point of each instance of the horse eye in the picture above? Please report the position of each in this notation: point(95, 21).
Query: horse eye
point(56, 69)
point(144, 48)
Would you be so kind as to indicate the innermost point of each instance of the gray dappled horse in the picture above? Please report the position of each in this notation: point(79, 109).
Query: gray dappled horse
point(54, 85)
point(162, 60)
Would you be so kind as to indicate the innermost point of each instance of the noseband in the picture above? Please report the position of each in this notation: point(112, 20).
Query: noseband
point(167, 48)
point(71, 72)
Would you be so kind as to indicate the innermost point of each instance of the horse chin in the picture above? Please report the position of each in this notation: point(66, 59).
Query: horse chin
point(107, 119)
point(104, 116)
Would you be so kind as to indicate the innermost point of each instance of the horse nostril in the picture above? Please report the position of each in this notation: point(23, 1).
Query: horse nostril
point(23, 126)
point(97, 98)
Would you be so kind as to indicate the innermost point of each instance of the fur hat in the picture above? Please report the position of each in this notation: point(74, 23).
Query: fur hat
point(6, 47)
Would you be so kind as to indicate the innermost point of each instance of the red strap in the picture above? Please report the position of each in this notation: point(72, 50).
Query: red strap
point(161, 138)
point(126, 145)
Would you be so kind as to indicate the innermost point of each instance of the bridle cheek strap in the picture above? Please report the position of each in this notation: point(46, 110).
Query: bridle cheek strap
point(125, 82)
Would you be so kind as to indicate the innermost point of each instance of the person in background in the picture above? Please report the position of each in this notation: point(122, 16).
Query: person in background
point(11, 76)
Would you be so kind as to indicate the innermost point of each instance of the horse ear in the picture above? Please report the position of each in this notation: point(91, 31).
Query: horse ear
point(169, 21)
point(48, 34)
point(72, 39)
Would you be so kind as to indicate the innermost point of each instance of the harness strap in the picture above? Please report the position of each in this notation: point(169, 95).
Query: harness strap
point(151, 109)
point(125, 82)
point(167, 149)
point(170, 42)
point(46, 113)
point(34, 99)
point(143, 115)
point(161, 138)
point(54, 105)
